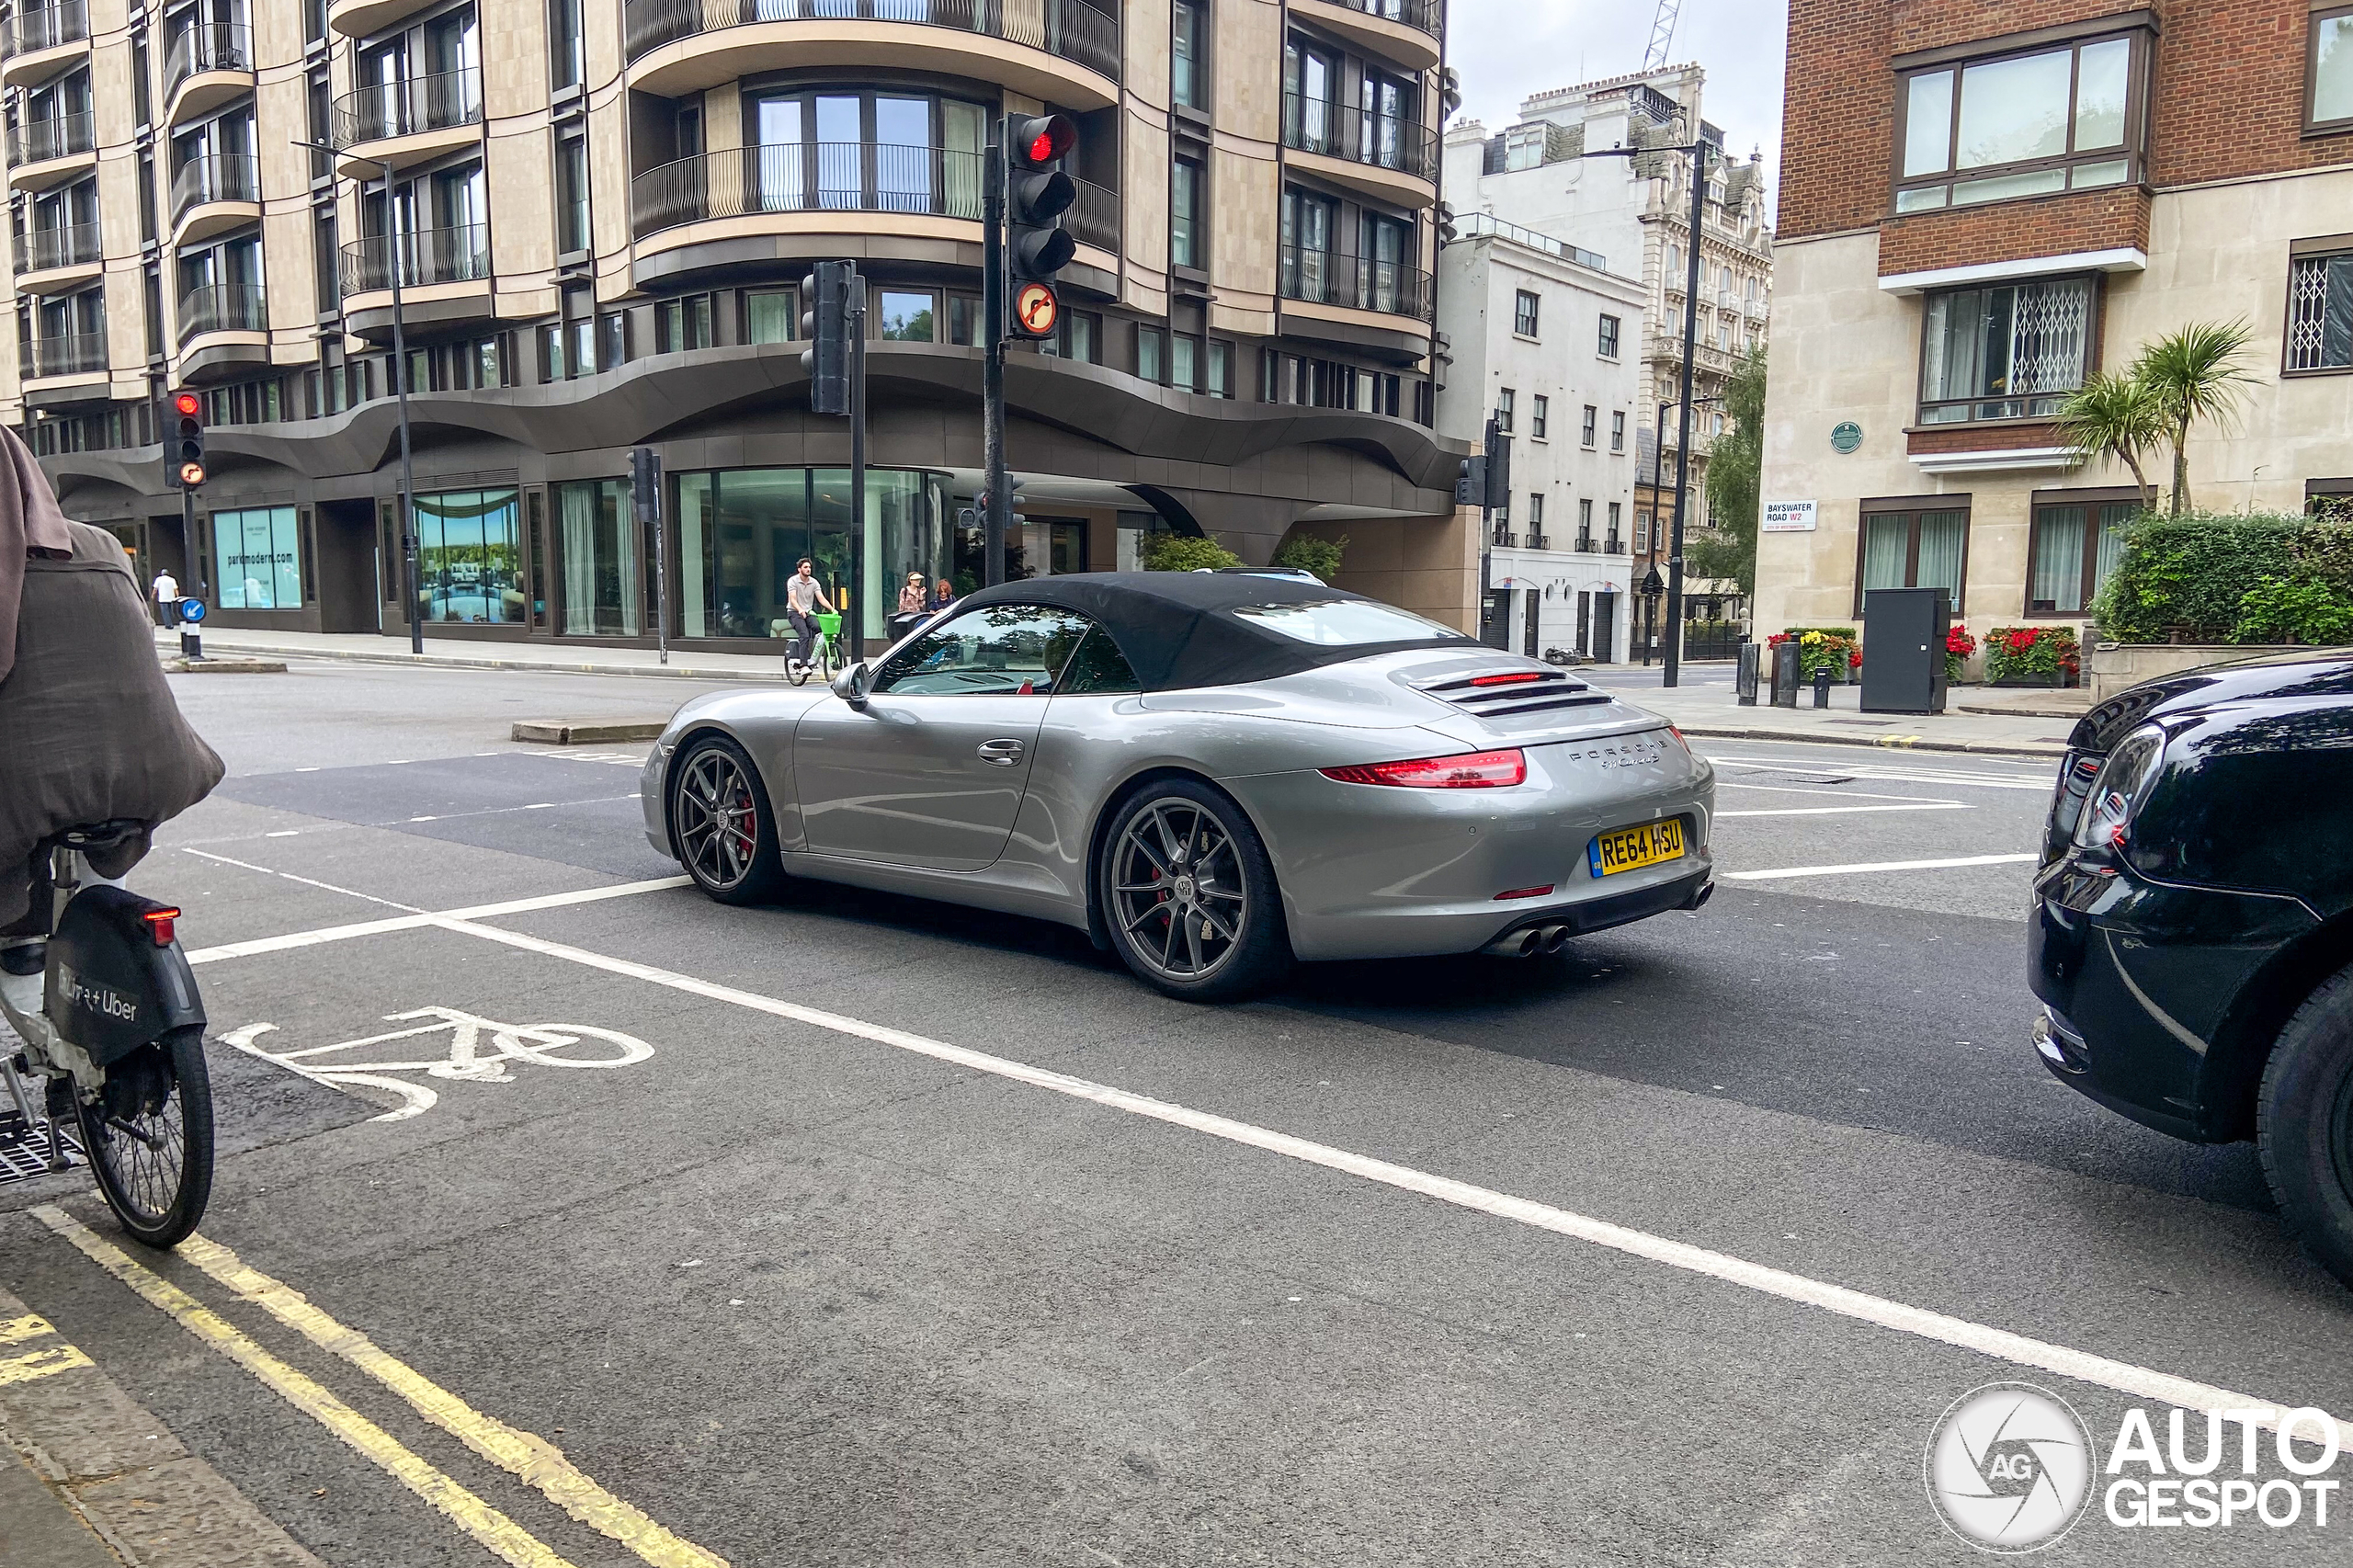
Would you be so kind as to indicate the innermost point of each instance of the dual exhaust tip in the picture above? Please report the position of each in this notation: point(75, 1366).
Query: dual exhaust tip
point(1530, 941)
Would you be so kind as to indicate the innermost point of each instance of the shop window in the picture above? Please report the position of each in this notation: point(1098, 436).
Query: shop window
point(772, 315)
point(2320, 306)
point(1926, 547)
point(2006, 351)
point(257, 557)
point(467, 557)
point(2050, 119)
point(1523, 312)
point(908, 316)
point(2077, 539)
point(2328, 97)
point(743, 532)
point(597, 552)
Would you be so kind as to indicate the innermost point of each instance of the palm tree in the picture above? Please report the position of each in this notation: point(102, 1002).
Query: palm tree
point(2194, 374)
point(2118, 416)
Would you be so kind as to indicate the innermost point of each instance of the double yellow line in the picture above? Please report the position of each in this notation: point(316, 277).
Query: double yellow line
point(525, 1455)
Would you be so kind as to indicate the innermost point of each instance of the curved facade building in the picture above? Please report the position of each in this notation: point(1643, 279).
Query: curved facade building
point(601, 212)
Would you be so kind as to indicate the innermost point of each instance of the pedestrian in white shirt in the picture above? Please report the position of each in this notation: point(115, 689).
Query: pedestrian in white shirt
point(168, 599)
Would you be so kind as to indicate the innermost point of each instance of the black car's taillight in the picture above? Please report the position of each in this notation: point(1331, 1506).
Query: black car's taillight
point(2104, 825)
point(2068, 797)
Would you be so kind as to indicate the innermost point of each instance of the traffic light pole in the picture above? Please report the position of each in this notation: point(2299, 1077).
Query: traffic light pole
point(856, 312)
point(1683, 444)
point(997, 518)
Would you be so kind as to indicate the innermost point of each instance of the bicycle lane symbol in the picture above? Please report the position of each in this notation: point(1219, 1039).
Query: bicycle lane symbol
point(468, 1059)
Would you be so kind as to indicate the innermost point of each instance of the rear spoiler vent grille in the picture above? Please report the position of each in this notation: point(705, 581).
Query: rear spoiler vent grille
point(1493, 693)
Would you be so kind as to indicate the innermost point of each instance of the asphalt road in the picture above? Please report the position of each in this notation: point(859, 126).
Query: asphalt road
point(810, 1259)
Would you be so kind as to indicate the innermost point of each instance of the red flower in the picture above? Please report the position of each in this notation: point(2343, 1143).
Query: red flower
point(2023, 639)
point(1854, 661)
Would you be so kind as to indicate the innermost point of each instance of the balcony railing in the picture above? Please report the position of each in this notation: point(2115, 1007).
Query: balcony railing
point(1501, 534)
point(217, 177)
point(837, 177)
point(208, 46)
point(75, 354)
point(384, 109)
point(35, 27)
point(59, 136)
point(1076, 32)
point(1328, 277)
point(1472, 224)
point(1613, 545)
point(1539, 541)
point(1360, 136)
point(1423, 16)
point(457, 254)
point(39, 250)
point(1584, 544)
point(223, 307)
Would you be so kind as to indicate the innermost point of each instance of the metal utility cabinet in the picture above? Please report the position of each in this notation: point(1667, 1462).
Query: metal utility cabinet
point(1904, 650)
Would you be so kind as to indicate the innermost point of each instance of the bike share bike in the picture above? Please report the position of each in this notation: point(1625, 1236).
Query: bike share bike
point(824, 657)
point(113, 1033)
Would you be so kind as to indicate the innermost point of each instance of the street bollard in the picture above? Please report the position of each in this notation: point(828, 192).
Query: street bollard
point(1822, 688)
point(1744, 681)
point(192, 644)
point(1785, 676)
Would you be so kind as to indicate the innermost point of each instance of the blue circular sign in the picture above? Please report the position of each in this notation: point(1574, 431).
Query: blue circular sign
point(191, 609)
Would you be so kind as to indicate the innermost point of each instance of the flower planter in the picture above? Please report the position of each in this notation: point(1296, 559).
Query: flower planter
point(2054, 678)
point(2109, 667)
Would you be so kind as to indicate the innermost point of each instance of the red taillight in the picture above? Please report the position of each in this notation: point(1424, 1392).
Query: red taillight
point(1525, 892)
point(1520, 679)
point(159, 925)
point(1472, 770)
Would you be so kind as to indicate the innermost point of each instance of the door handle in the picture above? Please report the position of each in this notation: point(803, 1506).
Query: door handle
point(1001, 754)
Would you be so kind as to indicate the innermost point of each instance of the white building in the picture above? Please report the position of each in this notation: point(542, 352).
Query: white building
point(1636, 211)
point(1542, 335)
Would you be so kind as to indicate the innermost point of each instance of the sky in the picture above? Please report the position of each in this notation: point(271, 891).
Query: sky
point(1504, 49)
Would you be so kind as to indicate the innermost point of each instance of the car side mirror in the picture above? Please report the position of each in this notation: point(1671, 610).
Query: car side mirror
point(852, 684)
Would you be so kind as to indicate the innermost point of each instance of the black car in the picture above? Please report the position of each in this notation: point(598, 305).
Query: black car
point(2192, 933)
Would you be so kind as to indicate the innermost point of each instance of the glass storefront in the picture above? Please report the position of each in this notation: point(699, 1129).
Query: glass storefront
point(603, 563)
point(743, 532)
point(468, 564)
point(257, 557)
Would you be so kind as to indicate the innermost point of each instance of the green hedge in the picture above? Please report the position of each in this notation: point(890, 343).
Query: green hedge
point(2260, 577)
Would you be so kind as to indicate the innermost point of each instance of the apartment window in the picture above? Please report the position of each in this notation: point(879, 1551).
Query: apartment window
point(147, 196)
point(908, 315)
point(1186, 183)
point(682, 325)
point(1188, 76)
point(1503, 397)
point(1585, 525)
point(143, 94)
point(1610, 327)
point(1535, 517)
point(772, 315)
point(1589, 428)
point(154, 302)
point(1080, 339)
point(2077, 539)
point(1618, 430)
point(1614, 515)
point(2008, 351)
point(1641, 532)
point(567, 54)
point(1185, 362)
point(1912, 545)
point(1221, 379)
point(612, 340)
point(319, 122)
point(2064, 117)
point(571, 193)
point(326, 261)
point(1539, 416)
point(1151, 353)
point(964, 324)
point(2319, 307)
point(1523, 312)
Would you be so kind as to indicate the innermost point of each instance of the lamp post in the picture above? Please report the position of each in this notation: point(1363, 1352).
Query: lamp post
point(1658, 462)
point(410, 564)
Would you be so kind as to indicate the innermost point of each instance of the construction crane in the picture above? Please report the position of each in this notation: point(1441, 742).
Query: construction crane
point(1662, 35)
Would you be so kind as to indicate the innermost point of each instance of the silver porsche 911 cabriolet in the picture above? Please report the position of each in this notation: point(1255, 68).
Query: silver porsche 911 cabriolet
point(1213, 774)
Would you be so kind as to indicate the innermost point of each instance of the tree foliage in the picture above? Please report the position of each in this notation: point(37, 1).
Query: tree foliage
point(2231, 578)
point(2118, 416)
point(1735, 464)
point(1306, 552)
point(1180, 552)
point(2194, 373)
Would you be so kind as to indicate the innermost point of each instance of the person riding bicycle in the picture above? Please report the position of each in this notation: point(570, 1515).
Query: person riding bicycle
point(88, 725)
point(804, 596)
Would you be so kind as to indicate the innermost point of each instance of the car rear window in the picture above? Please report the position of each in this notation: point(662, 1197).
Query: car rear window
point(1346, 623)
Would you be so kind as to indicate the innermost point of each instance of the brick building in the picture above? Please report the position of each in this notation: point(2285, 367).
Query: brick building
point(1991, 202)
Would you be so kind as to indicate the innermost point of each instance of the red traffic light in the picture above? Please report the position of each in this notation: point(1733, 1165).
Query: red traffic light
point(1040, 139)
point(189, 405)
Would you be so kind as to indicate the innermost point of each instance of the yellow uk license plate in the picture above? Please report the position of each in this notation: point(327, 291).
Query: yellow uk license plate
point(1628, 849)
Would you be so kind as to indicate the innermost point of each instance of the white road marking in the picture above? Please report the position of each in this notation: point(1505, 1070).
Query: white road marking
point(283, 833)
point(1845, 810)
point(415, 919)
point(1885, 774)
point(1801, 790)
point(2000, 1344)
point(1879, 866)
point(465, 1061)
point(306, 881)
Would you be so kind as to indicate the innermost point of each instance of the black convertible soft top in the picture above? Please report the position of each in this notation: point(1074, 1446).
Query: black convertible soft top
point(1179, 630)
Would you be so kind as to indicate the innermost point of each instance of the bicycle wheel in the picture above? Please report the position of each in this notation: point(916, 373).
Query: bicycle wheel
point(824, 660)
point(149, 1137)
point(797, 672)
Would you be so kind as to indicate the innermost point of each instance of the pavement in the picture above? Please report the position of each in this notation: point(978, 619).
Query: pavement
point(858, 1229)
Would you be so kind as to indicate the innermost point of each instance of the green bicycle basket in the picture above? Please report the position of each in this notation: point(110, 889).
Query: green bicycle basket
point(831, 625)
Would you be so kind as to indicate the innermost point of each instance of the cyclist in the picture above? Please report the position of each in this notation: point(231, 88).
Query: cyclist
point(803, 596)
point(87, 722)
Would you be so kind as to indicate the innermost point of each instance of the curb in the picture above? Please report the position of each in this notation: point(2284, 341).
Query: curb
point(239, 665)
point(447, 661)
point(1881, 743)
point(563, 733)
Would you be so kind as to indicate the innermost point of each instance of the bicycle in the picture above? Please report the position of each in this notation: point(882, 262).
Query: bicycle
point(109, 1018)
point(822, 659)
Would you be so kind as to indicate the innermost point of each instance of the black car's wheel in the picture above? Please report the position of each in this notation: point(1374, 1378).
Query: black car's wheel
point(1189, 895)
point(2304, 1124)
point(720, 822)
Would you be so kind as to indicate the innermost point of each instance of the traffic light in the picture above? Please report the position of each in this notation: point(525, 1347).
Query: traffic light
point(825, 324)
point(1470, 483)
point(187, 453)
point(1037, 193)
point(646, 483)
